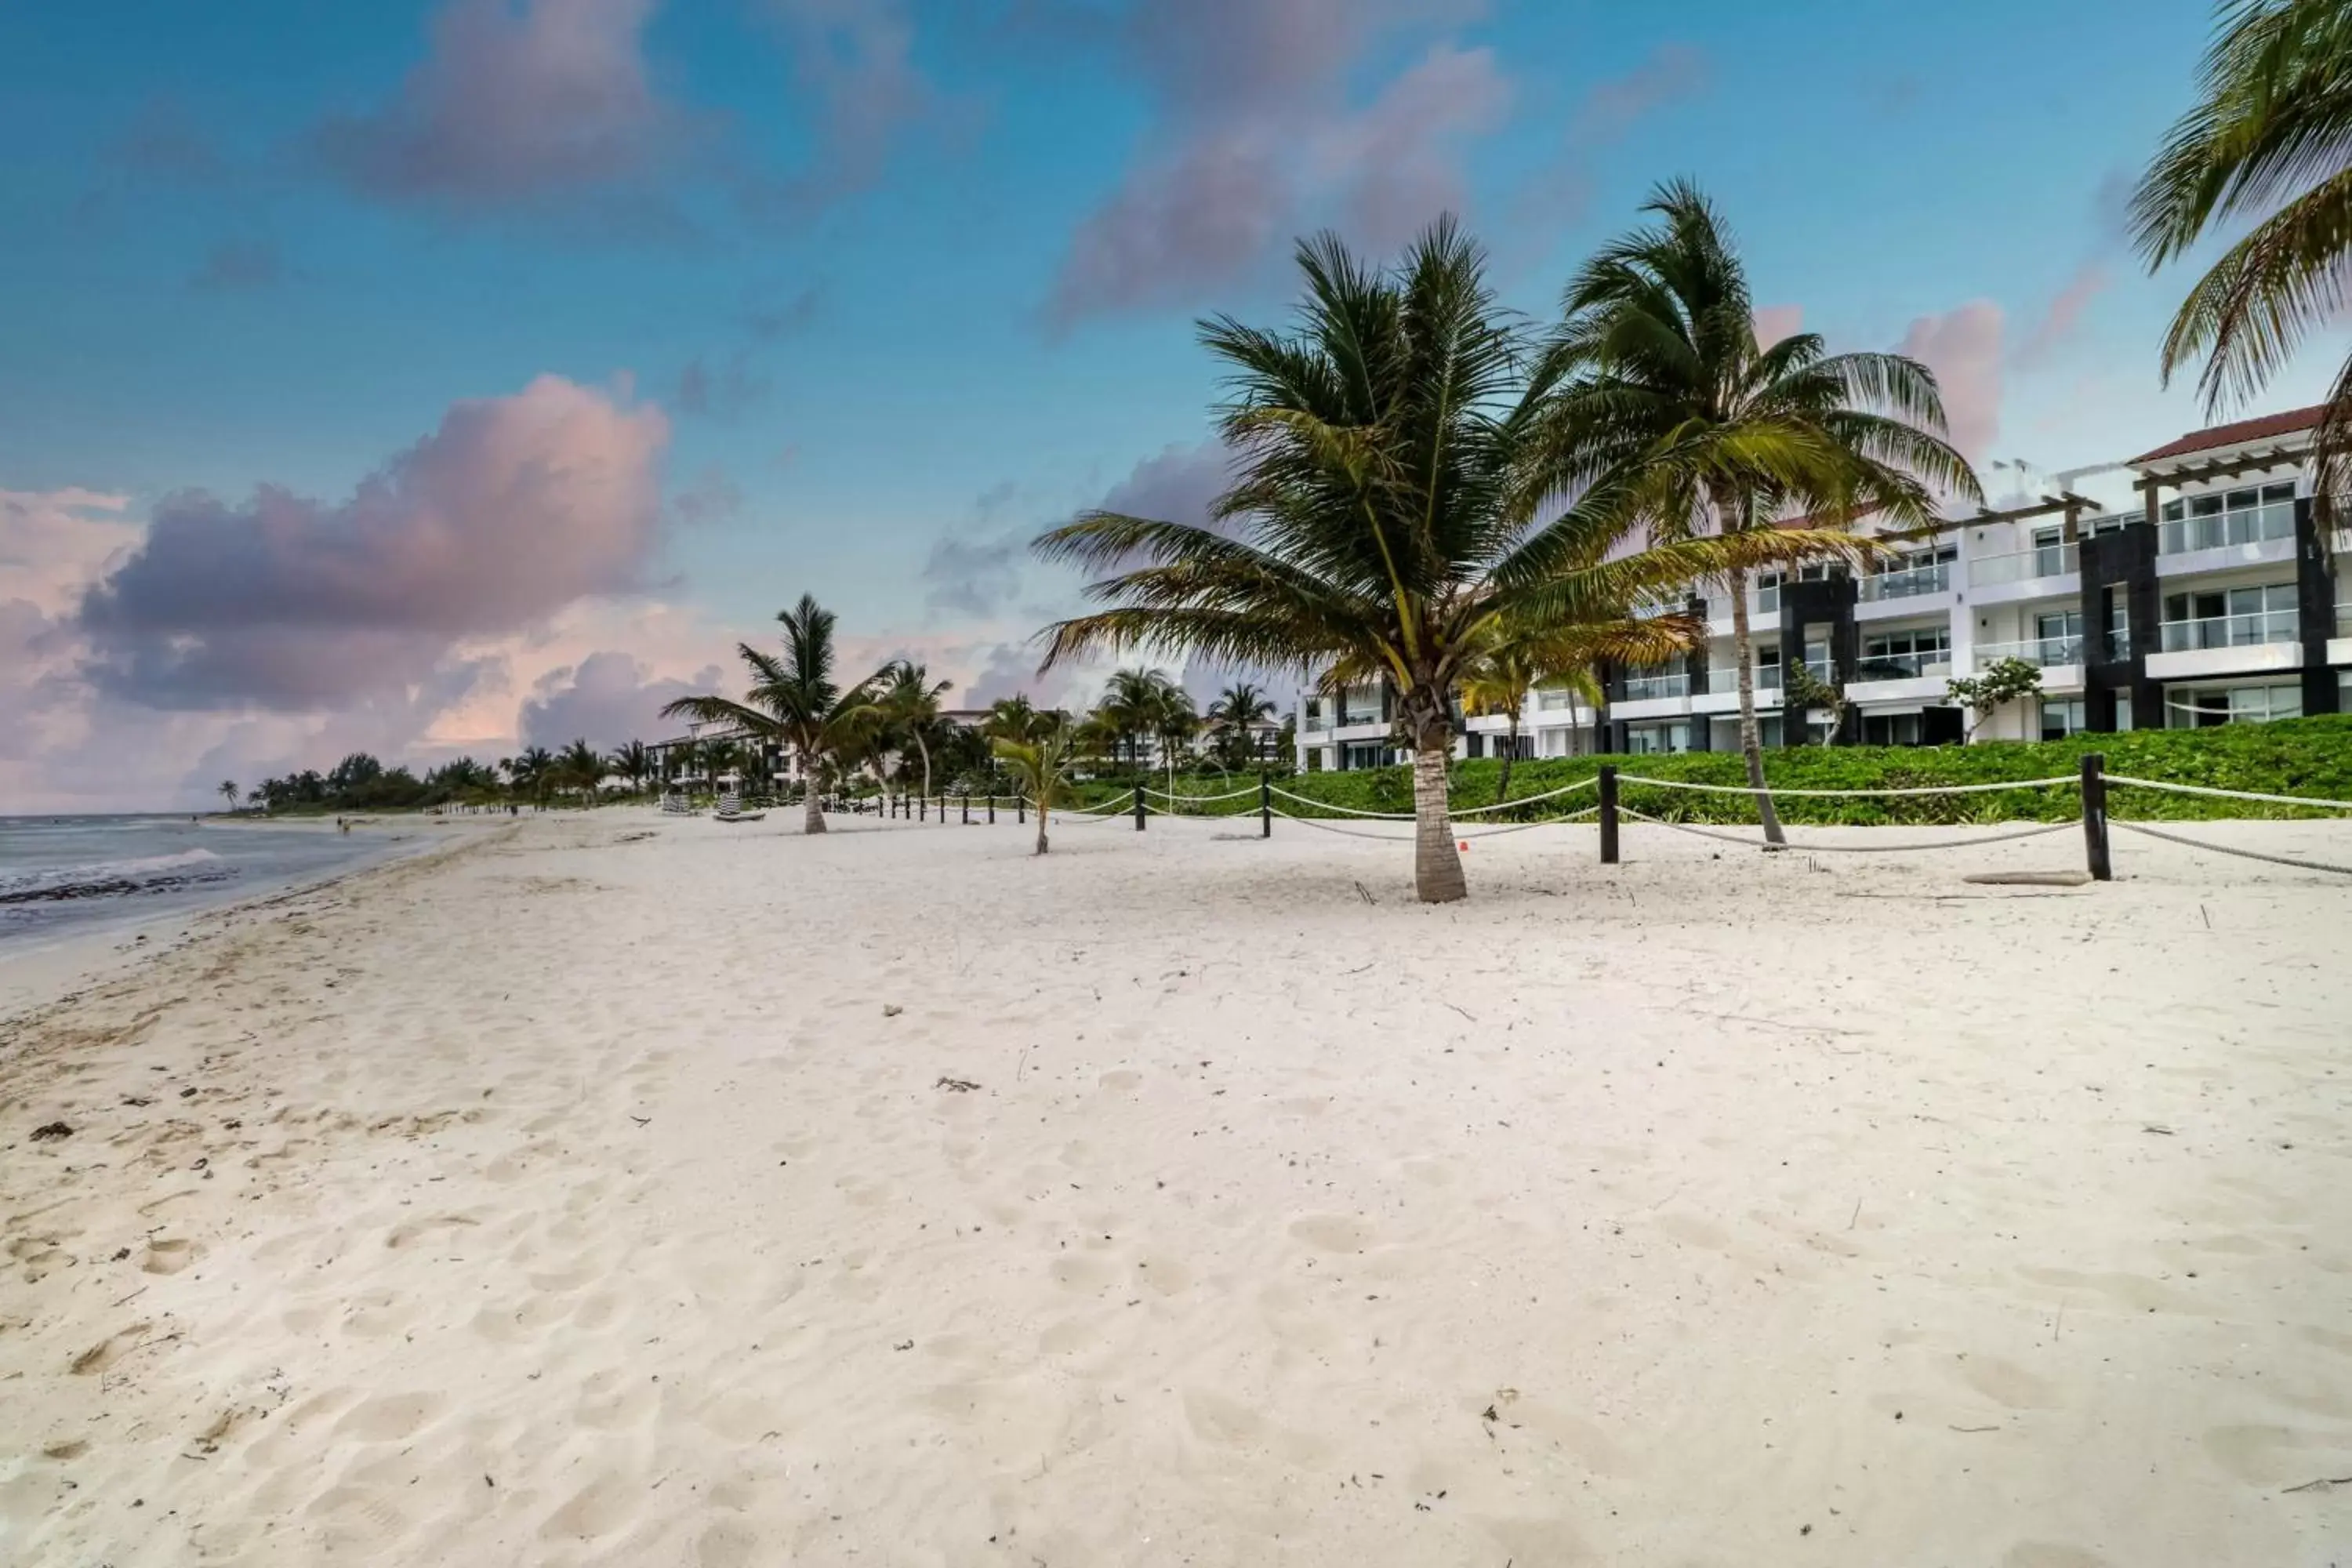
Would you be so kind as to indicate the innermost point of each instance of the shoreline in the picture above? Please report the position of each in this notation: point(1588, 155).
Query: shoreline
point(627, 1189)
point(37, 971)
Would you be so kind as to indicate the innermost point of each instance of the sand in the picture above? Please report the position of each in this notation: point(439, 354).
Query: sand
point(621, 1189)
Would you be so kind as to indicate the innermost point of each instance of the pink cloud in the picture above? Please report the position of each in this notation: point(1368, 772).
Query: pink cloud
point(2059, 324)
point(1962, 346)
point(1774, 323)
point(1257, 121)
point(514, 508)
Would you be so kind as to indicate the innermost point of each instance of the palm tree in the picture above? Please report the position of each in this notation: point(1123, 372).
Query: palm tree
point(793, 701)
point(534, 771)
point(1674, 413)
point(2271, 139)
point(1041, 765)
point(721, 757)
point(1016, 719)
point(1236, 710)
point(685, 759)
point(635, 762)
point(1498, 683)
point(582, 766)
point(1174, 723)
point(1393, 505)
point(909, 701)
point(1132, 705)
point(227, 790)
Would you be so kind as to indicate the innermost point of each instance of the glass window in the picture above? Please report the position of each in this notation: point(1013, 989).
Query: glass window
point(2061, 717)
point(2174, 510)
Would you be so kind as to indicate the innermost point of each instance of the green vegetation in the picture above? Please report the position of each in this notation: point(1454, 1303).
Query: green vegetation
point(2294, 756)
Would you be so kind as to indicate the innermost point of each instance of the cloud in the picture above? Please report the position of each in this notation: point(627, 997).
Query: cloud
point(713, 496)
point(167, 142)
point(1179, 485)
point(732, 389)
point(1774, 323)
point(2059, 323)
point(972, 576)
point(1559, 190)
point(1962, 346)
point(235, 264)
point(608, 699)
point(769, 319)
point(544, 102)
point(1255, 117)
point(853, 59)
point(514, 508)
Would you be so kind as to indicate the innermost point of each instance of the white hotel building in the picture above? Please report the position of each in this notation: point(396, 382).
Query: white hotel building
point(2199, 593)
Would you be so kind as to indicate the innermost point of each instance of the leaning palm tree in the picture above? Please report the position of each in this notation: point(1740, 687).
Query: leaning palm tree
point(2270, 139)
point(793, 701)
point(1676, 414)
point(909, 700)
point(227, 790)
point(1041, 765)
point(1392, 505)
point(1236, 710)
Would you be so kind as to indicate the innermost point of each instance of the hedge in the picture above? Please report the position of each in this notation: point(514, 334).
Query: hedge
point(2294, 756)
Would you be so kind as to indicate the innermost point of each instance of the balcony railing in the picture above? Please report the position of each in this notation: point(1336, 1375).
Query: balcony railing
point(2246, 525)
point(2024, 565)
point(1361, 716)
point(2233, 631)
point(2040, 652)
point(1644, 688)
point(1902, 666)
point(1908, 582)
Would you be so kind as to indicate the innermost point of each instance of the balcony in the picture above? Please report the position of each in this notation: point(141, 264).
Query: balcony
point(1903, 667)
point(2024, 565)
point(1910, 582)
point(2233, 631)
point(2040, 652)
point(1648, 688)
point(2242, 525)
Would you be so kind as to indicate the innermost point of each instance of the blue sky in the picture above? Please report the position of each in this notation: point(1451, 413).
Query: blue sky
point(854, 295)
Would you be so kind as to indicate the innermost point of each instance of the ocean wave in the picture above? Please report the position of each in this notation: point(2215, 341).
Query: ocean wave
point(115, 879)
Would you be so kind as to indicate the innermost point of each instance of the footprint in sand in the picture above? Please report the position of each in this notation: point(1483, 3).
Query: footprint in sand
point(390, 1418)
point(1332, 1232)
point(2006, 1383)
point(168, 1255)
point(109, 1350)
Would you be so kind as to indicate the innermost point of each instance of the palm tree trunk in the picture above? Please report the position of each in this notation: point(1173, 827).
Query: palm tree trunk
point(921, 746)
point(1041, 824)
point(1752, 740)
point(1510, 755)
point(812, 801)
point(1436, 862)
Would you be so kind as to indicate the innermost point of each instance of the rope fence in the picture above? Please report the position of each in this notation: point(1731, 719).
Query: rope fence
point(2092, 820)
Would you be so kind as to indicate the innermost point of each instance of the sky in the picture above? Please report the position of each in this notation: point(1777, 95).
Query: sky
point(445, 378)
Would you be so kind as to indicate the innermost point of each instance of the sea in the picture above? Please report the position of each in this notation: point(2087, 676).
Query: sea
point(68, 877)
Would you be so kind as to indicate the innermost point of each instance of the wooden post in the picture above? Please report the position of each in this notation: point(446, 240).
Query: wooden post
point(922, 808)
point(1021, 808)
point(1265, 804)
point(967, 811)
point(991, 808)
point(2095, 817)
point(1138, 808)
point(1608, 815)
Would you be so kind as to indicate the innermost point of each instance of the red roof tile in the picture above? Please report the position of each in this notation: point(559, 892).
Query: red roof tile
point(2260, 429)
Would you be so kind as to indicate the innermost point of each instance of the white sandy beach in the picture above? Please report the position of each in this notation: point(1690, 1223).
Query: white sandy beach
point(608, 1190)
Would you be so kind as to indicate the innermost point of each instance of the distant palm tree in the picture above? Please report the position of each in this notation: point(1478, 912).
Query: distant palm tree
point(1041, 766)
point(1502, 677)
point(1015, 719)
point(582, 766)
point(635, 762)
point(1677, 415)
point(534, 774)
point(1132, 705)
point(793, 701)
point(2270, 139)
point(909, 700)
point(721, 757)
point(1232, 716)
point(1393, 474)
point(227, 790)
